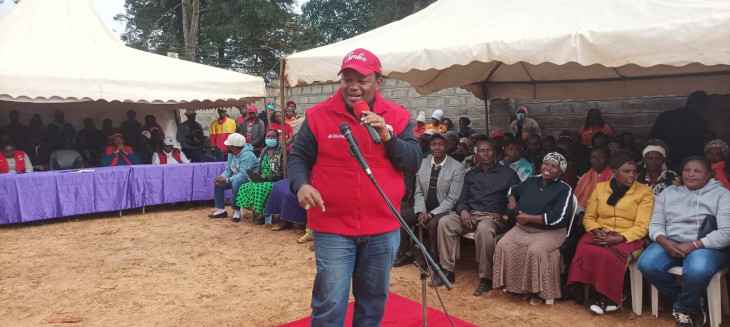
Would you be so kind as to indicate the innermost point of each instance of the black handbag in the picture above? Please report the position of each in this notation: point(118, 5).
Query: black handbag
point(708, 226)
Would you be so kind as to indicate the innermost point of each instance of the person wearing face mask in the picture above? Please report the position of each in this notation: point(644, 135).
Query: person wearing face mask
point(523, 126)
point(616, 221)
point(526, 258)
point(240, 159)
point(254, 194)
point(190, 136)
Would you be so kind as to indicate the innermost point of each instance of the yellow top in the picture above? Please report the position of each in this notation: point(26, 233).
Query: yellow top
point(438, 129)
point(631, 215)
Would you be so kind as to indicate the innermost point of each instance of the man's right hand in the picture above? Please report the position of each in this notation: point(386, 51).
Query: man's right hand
point(309, 197)
point(466, 219)
point(423, 219)
point(220, 180)
point(670, 247)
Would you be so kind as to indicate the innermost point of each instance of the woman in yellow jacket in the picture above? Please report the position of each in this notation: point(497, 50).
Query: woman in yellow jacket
point(616, 219)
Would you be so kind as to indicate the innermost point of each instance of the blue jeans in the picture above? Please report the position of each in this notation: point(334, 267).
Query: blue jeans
point(364, 260)
point(697, 270)
point(219, 192)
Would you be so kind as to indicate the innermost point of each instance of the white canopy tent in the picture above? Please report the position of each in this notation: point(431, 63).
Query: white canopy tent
point(534, 49)
point(60, 54)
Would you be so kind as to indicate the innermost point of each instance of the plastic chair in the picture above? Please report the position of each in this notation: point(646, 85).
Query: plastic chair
point(637, 290)
point(716, 296)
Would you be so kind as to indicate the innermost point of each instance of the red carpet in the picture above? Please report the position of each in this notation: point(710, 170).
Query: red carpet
point(400, 312)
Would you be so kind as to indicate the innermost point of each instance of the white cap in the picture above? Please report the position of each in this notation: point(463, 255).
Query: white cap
point(421, 117)
point(438, 114)
point(429, 132)
point(235, 139)
point(169, 141)
point(147, 134)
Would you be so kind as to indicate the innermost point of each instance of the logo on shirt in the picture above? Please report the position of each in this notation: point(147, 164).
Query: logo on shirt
point(335, 136)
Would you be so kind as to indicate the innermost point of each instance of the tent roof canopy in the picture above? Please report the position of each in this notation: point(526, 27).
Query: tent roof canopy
point(563, 49)
point(62, 51)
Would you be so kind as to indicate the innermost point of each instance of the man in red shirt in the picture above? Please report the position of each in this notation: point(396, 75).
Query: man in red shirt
point(356, 237)
point(252, 128)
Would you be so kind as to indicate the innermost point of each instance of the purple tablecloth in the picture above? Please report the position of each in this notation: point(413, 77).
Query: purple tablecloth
point(283, 202)
point(44, 195)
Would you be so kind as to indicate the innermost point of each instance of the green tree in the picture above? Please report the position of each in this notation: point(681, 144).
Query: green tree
point(336, 20)
point(243, 35)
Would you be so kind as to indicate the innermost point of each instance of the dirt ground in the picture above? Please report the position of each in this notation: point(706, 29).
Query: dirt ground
point(175, 267)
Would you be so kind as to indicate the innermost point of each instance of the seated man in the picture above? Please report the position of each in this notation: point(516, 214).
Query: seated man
point(168, 154)
point(13, 161)
point(67, 157)
point(118, 154)
point(438, 186)
point(210, 152)
point(480, 209)
point(240, 158)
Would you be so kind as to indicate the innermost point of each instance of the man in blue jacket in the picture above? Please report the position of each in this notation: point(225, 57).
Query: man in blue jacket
point(240, 158)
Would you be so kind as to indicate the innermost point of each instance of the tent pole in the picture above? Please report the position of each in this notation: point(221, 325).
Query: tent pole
point(282, 66)
point(487, 107)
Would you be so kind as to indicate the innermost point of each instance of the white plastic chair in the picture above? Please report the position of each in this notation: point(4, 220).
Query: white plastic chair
point(716, 296)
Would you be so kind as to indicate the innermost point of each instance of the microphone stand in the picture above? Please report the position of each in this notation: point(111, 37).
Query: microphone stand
point(404, 225)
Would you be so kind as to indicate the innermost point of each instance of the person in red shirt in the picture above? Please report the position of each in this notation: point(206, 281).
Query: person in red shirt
point(252, 128)
point(356, 237)
point(276, 125)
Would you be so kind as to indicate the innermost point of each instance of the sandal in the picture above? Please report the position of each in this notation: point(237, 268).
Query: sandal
point(308, 236)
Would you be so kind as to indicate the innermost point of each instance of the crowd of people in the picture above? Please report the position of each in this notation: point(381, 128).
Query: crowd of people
point(645, 202)
point(59, 146)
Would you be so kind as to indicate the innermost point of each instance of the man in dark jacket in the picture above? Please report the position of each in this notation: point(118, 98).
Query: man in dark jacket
point(683, 129)
point(190, 136)
point(356, 237)
point(253, 128)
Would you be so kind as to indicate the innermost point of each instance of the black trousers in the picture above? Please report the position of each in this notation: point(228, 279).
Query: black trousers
point(411, 219)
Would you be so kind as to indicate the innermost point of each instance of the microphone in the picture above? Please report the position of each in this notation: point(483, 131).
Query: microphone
point(354, 148)
point(358, 108)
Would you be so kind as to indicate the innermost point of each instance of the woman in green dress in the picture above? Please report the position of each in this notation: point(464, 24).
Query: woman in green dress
point(254, 194)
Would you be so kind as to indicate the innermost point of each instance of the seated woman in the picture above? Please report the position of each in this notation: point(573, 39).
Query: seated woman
point(514, 160)
point(526, 259)
point(255, 193)
point(654, 172)
point(617, 220)
point(679, 212)
point(118, 154)
point(599, 172)
point(13, 161)
point(717, 152)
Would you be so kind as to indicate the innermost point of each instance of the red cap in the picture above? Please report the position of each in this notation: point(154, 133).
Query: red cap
point(288, 103)
point(497, 134)
point(252, 108)
point(362, 61)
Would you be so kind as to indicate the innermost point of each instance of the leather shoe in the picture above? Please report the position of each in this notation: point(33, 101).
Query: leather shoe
point(220, 215)
point(485, 285)
point(403, 259)
point(437, 282)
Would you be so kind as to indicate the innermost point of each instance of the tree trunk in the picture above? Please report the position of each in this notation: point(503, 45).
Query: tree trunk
point(191, 18)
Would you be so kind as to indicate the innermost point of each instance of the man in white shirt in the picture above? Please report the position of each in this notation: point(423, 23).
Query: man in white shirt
point(169, 154)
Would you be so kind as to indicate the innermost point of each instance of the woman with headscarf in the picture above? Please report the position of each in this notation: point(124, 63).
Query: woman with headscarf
point(255, 193)
point(523, 126)
point(420, 124)
point(654, 172)
point(527, 258)
point(679, 240)
point(594, 123)
point(436, 124)
point(617, 220)
point(717, 152)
